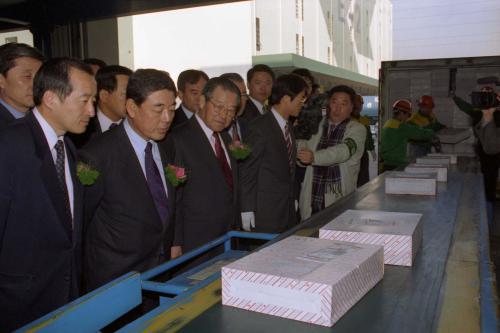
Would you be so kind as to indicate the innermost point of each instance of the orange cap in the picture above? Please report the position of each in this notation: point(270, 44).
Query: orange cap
point(426, 100)
point(403, 105)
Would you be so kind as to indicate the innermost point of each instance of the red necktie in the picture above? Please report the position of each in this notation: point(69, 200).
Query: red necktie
point(221, 157)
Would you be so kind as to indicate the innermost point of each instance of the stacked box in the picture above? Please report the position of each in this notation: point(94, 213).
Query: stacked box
point(306, 279)
point(443, 160)
point(453, 157)
point(399, 233)
point(410, 183)
point(440, 170)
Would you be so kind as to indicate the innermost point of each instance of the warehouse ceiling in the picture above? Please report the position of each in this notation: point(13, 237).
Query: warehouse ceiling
point(22, 14)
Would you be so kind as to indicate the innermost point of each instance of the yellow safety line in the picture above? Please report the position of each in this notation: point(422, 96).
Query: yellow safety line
point(176, 317)
point(460, 310)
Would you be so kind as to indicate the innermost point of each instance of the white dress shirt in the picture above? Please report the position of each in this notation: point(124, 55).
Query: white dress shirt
point(52, 139)
point(281, 121)
point(187, 112)
point(209, 133)
point(258, 104)
point(139, 145)
point(104, 121)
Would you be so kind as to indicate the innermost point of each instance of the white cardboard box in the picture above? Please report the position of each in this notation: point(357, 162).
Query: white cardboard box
point(306, 279)
point(399, 233)
point(453, 157)
point(443, 160)
point(410, 183)
point(441, 170)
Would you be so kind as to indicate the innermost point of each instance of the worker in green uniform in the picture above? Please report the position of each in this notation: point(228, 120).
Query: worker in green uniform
point(397, 132)
point(424, 118)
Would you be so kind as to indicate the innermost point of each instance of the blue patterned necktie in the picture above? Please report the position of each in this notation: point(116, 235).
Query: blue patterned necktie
point(155, 183)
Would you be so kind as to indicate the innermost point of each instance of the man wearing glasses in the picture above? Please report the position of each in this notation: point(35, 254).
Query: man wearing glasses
point(207, 201)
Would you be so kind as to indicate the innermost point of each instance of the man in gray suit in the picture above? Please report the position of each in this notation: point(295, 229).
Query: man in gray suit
point(267, 175)
point(18, 66)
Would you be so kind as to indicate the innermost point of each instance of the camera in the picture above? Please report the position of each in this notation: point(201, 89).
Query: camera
point(485, 98)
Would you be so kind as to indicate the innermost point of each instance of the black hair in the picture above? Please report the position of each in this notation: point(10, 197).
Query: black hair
point(144, 82)
point(233, 77)
point(94, 61)
point(343, 89)
point(287, 85)
point(54, 75)
point(106, 77)
point(11, 51)
point(190, 76)
point(222, 82)
point(304, 72)
point(259, 68)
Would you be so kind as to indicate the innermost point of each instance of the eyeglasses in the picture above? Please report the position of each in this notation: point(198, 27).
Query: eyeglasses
point(222, 109)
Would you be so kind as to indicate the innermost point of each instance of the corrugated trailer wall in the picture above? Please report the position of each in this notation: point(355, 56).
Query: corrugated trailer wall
point(439, 78)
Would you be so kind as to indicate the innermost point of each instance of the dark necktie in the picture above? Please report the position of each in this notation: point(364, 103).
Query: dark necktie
point(61, 176)
point(235, 135)
point(155, 184)
point(289, 146)
point(113, 125)
point(221, 157)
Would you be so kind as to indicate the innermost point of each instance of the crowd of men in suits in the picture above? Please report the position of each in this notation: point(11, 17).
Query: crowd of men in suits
point(84, 192)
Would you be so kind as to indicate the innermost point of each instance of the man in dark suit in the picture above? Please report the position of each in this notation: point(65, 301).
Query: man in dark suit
point(18, 66)
point(111, 91)
point(260, 83)
point(267, 175)
point(207, 202)
point(130, 208)
point(237, 128)
point(41, 198)
point(190, 84)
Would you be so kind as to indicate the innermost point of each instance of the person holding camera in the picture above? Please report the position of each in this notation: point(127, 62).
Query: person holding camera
point(484, 124)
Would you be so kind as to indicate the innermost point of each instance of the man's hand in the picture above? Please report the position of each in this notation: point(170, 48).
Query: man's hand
point(175, 251)
point(374, 155)
point(247, 221)
point(305, 156)
point(488, 115)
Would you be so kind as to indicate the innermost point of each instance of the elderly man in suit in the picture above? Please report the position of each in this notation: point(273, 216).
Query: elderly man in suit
point(190, 84)
point(260, 83)
point(41, 198)
point(237, 127)
point(207, 203)
point(130, 206)
point(111, 92)
point(267, 176)
point(18, 66)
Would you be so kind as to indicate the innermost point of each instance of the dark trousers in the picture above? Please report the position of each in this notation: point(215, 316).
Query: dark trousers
point(364, 172)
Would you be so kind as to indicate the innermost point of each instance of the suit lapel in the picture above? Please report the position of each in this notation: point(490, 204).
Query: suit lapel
point(134, 175)
point(170, 189)
point(279, 137)
point(5, 114)
point(77, 187)
point(232, 161)
point(207, 149)
point(48, 173)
